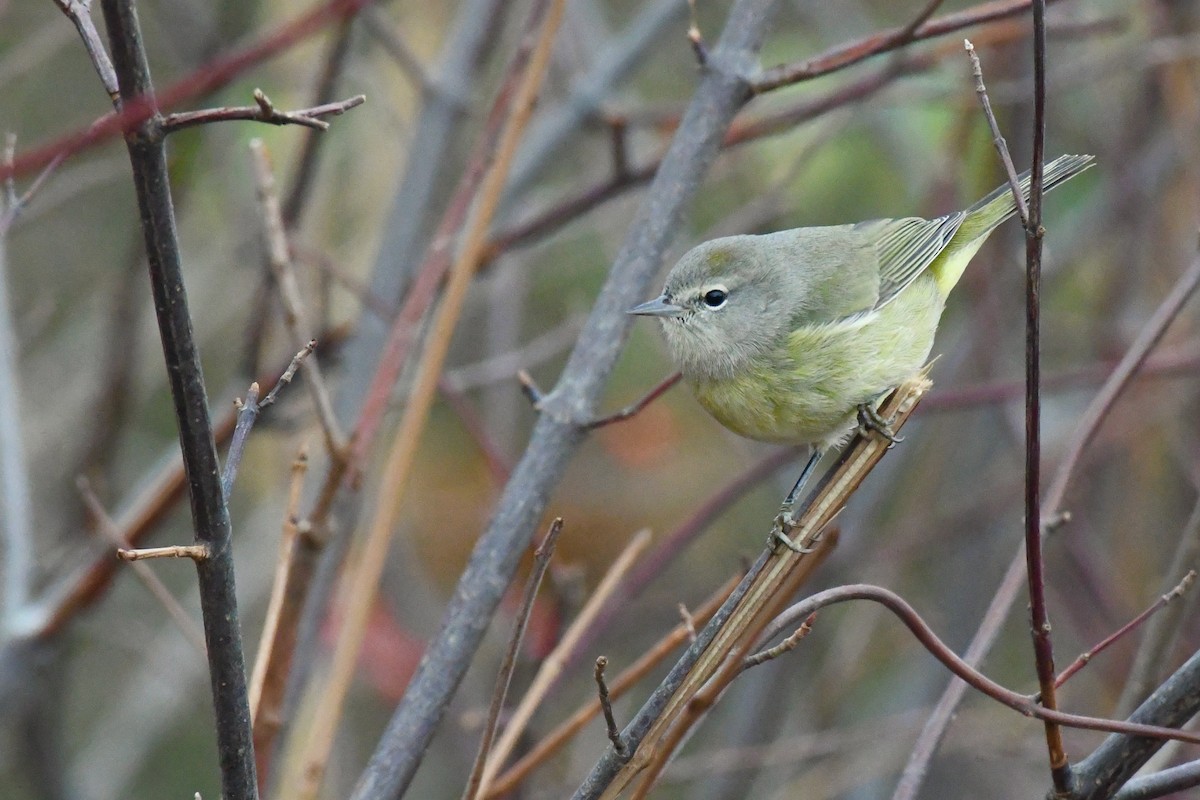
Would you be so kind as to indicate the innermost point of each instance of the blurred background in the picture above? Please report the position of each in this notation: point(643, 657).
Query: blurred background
point(113, 701)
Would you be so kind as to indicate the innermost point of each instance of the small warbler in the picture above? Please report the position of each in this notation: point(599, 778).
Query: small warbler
point(790, 337)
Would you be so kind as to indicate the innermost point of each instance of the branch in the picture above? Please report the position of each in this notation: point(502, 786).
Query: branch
point(542, 556)
point(1010, 585)
point(1119, 757)
point(556, 434)
point(363, 576)
point(716, 657)
point(845, 55)
point(798, 613)
point(210, 516)
point(137, 109)
point(262, 111)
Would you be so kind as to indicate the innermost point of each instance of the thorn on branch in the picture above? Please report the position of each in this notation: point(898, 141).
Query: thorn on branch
point(196, 552)
point(614, 735)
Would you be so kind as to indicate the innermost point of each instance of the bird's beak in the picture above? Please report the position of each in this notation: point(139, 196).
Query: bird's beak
point(658, 307)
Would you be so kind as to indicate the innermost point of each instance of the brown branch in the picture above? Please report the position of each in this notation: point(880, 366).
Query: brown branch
point(80, 14)
point(109, 530)
point(296, 316)
point(362, 577)
point(845, 55)
point(1082, 660)
point(998, 139)
point(196, 552)
point(277, 643)
point(953, 662)
point(554, 741)
point(542, 557)
point(717, 656)
point(204, 80)
point(554, 665)
point(263, 111)
point(610, 722)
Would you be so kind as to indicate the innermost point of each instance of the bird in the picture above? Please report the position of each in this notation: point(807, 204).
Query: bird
point(792, 337)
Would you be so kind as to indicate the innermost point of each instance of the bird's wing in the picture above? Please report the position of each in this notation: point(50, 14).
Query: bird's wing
point(905, 247)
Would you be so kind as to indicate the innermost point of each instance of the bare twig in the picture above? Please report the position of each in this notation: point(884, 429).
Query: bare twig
point(289, 373)
point(556, 433)
point(137, 109)
point(549, 745)
point(862, 49)
point(1043, 649)
point(554, 665)
point(1010, 585)
point(364, 576)
point(543, 554)
point(716, 657)
point(1150, 662)
point(280, 260)
point(263, 111)
point(786, 646)
point(636, 408)
point(1082, 660)
point(939, 650)
point(610, 723)
point(210, 514)
point(109, 530)
point(196, 552)
point(80, 14)
point(278, 640)
point(997, 137)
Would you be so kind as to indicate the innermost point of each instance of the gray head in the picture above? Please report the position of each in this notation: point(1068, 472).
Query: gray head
point(724, 303)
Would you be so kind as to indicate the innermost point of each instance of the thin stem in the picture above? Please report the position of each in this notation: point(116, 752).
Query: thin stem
point(363, 577)
point(542, 556)
point(1043, 647)
point(210, 516)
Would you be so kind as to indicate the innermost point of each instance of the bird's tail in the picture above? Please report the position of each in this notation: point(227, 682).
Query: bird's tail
point(989, 212)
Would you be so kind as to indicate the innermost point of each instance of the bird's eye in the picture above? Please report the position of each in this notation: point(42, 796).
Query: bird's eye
point(715, 298)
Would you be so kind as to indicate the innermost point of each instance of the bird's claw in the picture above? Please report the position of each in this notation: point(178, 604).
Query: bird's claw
point(869, 420)
point(779, 534)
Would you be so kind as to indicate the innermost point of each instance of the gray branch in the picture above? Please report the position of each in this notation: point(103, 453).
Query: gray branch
point(559, 430)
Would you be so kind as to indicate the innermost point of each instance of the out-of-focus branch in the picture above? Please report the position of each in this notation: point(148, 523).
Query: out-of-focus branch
point(558, 430)
point(798, 613)
point(363, 576)
point(136, 110)
point(845, 55)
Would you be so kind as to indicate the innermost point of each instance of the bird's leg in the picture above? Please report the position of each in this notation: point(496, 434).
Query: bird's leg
point(869, 420)
point(785, 521)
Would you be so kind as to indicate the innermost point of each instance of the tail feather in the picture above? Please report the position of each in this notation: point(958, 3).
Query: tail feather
point(981, 218)
point(1000, 204)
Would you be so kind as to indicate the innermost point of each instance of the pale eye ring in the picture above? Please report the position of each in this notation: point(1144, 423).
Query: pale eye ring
point(715, 297)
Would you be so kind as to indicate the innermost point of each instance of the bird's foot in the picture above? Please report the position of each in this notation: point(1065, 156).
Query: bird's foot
point(869, 420)
point(784, 524)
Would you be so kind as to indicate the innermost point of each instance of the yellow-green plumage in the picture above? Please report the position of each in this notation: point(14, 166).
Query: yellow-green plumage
point(783, 336)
